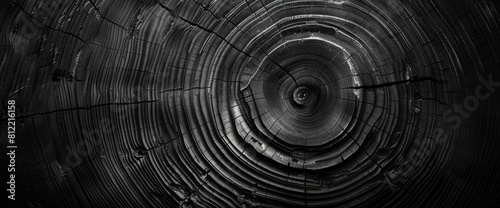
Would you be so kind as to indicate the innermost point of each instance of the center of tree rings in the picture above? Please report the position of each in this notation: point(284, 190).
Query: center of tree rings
point(301, 95)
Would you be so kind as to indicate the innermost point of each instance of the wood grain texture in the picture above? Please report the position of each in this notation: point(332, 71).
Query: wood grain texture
point(253, 103)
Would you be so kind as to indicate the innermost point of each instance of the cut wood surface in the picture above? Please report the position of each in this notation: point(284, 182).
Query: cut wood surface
point(252, 103)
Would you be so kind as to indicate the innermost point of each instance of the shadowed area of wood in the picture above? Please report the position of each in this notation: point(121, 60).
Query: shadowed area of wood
point(253, 103)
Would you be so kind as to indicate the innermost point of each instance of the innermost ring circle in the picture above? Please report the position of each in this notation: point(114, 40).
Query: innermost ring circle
point(301, 95)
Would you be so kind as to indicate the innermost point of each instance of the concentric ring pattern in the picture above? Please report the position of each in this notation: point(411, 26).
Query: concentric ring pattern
point(258, 103)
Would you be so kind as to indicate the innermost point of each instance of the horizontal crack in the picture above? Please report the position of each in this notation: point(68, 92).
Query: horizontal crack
point(396, 83)
point(182, 89)
point(79, 108)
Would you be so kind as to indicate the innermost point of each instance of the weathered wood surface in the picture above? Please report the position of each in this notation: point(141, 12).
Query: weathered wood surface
point(261, 103)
